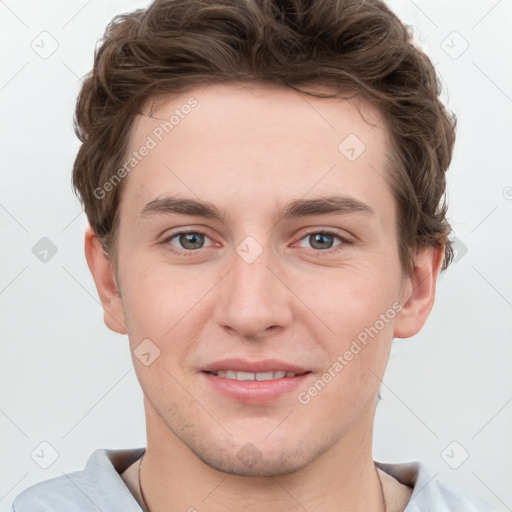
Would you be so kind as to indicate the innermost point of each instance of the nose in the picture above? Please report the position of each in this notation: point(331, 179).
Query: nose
point(253, 300)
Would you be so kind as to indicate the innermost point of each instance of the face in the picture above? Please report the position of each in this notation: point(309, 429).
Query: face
point(259, 274)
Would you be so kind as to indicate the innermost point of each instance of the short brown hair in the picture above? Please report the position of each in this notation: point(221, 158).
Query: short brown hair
point(354, 45)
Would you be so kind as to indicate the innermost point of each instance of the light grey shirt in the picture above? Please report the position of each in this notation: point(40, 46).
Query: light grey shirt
point(99, 487)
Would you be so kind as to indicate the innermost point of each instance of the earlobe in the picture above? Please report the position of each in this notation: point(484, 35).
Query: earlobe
point(104, 278)
point(419, 292)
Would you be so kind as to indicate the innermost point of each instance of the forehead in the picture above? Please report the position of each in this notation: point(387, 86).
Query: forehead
point(257, 144)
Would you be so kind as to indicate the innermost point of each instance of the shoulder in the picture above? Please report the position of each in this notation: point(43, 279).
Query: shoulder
point(432, 495)
point(97, 487)
point(66, 492)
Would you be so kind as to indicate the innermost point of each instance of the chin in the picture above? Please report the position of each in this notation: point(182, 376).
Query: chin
point(250, 461)
point(261, 458)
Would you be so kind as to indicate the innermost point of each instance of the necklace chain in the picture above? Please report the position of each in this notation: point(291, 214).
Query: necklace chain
point(146, 508)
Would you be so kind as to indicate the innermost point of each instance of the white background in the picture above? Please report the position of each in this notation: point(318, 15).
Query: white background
point(67, 380)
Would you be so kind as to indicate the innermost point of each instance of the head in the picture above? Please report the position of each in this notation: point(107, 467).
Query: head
point(303, 147)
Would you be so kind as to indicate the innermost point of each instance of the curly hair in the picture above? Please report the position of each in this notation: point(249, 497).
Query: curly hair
point(347, 45)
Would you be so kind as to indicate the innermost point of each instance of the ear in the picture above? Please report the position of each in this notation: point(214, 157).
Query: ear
point(418, 292)
point(104, 278)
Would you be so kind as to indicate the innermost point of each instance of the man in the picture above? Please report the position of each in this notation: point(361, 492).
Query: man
point(264, 182)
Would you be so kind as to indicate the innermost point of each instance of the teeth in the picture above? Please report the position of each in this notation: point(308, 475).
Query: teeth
point(245, 376)
point(264, 376)
point(236, 375)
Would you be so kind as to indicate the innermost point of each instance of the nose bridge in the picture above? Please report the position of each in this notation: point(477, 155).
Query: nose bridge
point(252, 299)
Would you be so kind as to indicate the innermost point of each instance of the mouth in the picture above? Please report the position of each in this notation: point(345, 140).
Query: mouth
point(254, 382)
point(259, 376)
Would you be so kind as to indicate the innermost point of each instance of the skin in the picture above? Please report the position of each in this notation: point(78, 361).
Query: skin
point(250, 151)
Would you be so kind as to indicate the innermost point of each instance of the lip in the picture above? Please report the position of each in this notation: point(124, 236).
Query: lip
point(254, 392)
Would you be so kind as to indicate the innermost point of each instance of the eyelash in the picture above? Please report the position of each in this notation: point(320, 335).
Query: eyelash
point(316, 252)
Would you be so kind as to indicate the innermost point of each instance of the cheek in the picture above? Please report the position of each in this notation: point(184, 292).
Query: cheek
point(154, 293)
point(166, 305)
point(360, 309)
point(347, 387)
point(350, 299)
point(357, 358)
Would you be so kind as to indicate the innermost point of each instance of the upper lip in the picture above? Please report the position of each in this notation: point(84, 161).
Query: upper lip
point(244, 365)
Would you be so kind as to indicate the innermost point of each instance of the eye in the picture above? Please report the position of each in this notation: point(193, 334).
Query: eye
point(186, 240)
point(323, 240)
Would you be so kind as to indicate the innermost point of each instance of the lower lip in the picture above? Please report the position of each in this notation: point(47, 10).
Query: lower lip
point(255, 392)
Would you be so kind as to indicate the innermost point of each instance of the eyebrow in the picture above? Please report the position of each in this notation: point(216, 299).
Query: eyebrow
point(339, 205)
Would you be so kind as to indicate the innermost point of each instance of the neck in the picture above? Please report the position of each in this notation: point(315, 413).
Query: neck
point(344, 478)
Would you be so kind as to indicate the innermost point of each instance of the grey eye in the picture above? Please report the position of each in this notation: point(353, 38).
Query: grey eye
point(189, 241)
point(321, 240)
